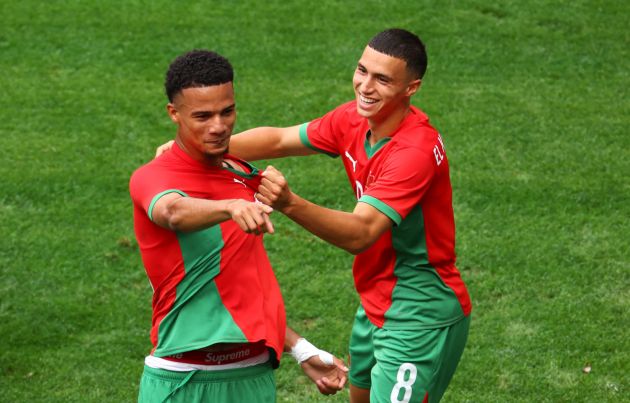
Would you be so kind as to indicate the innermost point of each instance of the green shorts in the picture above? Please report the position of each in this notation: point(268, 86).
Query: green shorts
point(405, 365)
point(252, 384)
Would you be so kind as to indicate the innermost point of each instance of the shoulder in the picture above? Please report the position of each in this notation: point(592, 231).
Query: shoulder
point(346, 111)
point(158, 167)
point(349, 110)
point(418, 133)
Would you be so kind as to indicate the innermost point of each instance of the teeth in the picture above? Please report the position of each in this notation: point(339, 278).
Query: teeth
point(367, 100)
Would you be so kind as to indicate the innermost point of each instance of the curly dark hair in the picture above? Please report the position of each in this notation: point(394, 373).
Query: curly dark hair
point(403, 45)
point(197, 68)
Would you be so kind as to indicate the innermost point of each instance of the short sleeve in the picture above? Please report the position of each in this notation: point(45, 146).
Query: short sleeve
point(401, 184)
point(146, 189)
point(326, 134)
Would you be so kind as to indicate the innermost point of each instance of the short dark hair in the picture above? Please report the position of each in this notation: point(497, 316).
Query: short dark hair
point(197, 68)
point(404, 45)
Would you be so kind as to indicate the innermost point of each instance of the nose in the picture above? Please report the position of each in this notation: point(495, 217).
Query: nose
point(217, 125)
point(365, 85)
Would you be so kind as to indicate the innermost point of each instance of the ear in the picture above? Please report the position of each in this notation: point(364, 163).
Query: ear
point(413, 87)
point(172, 112)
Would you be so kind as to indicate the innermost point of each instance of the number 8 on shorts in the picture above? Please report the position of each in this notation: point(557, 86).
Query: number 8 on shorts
point(405, 379)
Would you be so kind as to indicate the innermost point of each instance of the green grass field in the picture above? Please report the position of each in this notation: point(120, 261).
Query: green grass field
point(531, 98)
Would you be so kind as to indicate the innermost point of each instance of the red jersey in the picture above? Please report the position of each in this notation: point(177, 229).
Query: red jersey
point(210, 286)
point(407, 278)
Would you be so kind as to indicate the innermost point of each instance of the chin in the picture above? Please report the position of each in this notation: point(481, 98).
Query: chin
point(364, 113)
point(216, 152)
point(360, 111)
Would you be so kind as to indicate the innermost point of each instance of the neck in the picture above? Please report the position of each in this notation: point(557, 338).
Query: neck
point(204, 159)
point(386, 127)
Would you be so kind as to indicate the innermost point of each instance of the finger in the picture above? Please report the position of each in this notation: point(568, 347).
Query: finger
point(250, 223)
point(264, 200)
point(270, 170)
point(268, 224)
point(340, 364)
point(264, 207)
point(332, 386)
point(275, 178)
point(323, 389)
point(342, 381)
point(272, 190)
point(163, 148)
point(266, 195)
point(242, 223)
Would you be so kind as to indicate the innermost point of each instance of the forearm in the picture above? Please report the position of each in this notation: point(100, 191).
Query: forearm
point(190, 214)
point(291, 338)
point(347, 231)
point(301, 349)
point(268, 142)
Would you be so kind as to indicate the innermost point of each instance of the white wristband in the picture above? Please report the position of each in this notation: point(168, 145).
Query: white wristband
point(303, 350)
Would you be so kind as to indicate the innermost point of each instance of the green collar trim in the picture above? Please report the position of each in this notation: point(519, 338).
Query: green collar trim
point(371, 150)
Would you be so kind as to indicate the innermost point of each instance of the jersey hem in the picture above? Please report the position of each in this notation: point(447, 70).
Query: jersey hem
point(436, 325)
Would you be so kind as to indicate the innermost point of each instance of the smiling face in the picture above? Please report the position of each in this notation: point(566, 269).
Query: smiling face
point(205, 118)
point(382, 86)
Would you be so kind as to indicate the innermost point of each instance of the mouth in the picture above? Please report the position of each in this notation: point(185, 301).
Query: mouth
point(217, 140)
point(368, 101)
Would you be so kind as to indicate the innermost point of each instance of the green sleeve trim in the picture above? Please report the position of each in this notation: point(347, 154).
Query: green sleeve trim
point(304, 139)
point(157, 197)
point(382, 207)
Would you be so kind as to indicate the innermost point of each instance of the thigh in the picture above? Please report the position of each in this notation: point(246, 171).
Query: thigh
point(456, 338)
point(361, 351)
point(256, 389)
point(415, 366)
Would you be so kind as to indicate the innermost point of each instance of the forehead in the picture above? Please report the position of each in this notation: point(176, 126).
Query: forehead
point(379, 63)
point(211, 98)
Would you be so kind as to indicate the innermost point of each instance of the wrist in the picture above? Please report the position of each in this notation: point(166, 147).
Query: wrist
point(290, 204)
point(303, 350)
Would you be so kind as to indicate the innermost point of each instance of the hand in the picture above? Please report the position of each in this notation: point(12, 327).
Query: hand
point(274, 189)
point(252, 217)
point(164, 148)
point(329, 378)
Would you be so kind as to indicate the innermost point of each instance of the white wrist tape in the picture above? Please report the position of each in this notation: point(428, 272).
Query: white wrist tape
point(303, 350)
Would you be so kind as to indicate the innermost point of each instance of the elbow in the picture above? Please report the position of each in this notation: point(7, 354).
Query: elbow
point(358, 246)
point(174, 217)
point(174, 223)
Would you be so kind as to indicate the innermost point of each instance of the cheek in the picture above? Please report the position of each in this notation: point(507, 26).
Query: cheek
point(229, 123)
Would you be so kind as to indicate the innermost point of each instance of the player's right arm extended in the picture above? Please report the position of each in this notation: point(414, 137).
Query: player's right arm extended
point(261, 143)
point(175, 212)
point(268, 142)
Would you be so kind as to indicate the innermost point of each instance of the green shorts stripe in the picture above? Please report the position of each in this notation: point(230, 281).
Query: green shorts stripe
point(252, 384)
point(405, 365)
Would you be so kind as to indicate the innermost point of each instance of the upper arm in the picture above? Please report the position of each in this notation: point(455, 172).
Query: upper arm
point(160, 212)
point(375, 222)
point(290, 143)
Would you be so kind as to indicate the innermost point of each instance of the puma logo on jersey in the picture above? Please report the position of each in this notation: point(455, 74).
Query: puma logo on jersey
point(239, 181)
point(354, 162)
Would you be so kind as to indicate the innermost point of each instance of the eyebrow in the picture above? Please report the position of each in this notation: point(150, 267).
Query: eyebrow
point(380, 76)
point(205, 112)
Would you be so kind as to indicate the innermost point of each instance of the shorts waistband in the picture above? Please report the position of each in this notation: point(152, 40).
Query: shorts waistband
point(208, 376)
point(220, 357)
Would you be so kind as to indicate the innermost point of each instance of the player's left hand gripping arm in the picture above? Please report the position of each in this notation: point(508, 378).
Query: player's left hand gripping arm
point(353, 232)
point(328, 372)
